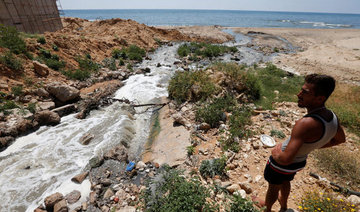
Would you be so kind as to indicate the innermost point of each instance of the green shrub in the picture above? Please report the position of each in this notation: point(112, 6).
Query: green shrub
point(31, 107)
point(213, 112)
point(135, 53)
point(277, 133)
point(203, 50)
point(77, 74)
point(314, 201)
point(10, 38)
point(239, 119)
point(239, 204)
point(121, 62)
point(55, 47)
point(51, 60)
point(117, 54)
point(109, 63)
point(86, 64)
point(7, 105)
point(11, 62)
point(191, 86)
point(129, 67)
point(41, 40)
point(272, 79)
point(17, 90)
point(170, 192)
point(210, 168)
point(190, 150)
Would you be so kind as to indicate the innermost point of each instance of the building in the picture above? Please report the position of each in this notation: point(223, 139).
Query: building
point(31, 16)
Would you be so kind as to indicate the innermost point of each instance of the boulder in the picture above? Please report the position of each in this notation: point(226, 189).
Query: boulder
point(85, 139)
point(42, 93)
point(246, 187)
point(178, 118)
point(118, 153)
point(80, 177)
point(45, 105)
point(63, 92)
point(96, 162)
point(73, 197)
point(51, 200)
point(61, 206)
point(47, 117)
point(354, 199)
point(41, 69)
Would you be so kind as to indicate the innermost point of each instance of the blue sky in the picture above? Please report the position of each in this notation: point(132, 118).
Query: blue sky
point(332, 6)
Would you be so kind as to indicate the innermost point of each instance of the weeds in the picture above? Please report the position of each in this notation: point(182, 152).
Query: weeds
point(41, 40)
point(277, 133)
point(10, 38)
point(340, 163)
point(191, 86)
point(190, 150)
point(31, 107)
point(240, 204)
point(51, 60)
point(210, 168)
point(213, 112)
point(109, 63)
point(314, 201)
point(11, 62)
point(170, 192)
point(86, 64)
point(7, 105)
point(133, 52)
point(17, 90)
point(203, 50)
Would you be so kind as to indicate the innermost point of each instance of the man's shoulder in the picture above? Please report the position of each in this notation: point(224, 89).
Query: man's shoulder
point(308, 128)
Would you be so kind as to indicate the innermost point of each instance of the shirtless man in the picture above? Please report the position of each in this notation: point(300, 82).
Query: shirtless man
point(320, 128)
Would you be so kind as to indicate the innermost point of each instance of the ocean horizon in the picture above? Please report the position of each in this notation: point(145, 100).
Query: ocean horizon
point(225, 18)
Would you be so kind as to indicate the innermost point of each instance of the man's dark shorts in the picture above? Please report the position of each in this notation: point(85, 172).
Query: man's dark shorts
point(276, 174)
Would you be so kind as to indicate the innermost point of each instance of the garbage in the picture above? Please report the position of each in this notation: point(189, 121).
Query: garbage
point(130, 166)
point(268, 141)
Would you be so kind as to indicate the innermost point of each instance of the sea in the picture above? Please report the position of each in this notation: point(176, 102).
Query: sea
point(225, 18)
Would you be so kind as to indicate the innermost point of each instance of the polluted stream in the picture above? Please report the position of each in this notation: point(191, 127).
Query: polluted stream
point(42, 163)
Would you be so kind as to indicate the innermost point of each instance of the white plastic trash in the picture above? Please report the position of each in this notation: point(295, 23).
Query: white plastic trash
point(268, 141)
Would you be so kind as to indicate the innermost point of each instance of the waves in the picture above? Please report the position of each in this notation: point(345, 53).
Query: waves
point(316, 24)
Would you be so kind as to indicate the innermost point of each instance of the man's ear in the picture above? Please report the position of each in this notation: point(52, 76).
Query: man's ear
point(321, 99)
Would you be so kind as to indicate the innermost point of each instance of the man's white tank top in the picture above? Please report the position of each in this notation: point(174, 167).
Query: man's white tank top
point(330, 129)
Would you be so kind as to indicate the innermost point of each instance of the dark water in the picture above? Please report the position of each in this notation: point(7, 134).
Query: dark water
point(229, 18)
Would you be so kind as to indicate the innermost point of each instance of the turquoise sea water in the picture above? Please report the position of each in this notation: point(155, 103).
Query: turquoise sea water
point(227, 18)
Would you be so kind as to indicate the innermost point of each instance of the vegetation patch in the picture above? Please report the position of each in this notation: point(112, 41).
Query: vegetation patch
point(10, 38)
point(191, 86)
point(210, 168)
point(51, 60)
point(133, 52)
point(171, 192)
point(239, 204)
point(315, 201)
point(109, 63)
point(203, 50)
point(17, 90)
point(7, 105)
point(86, 68)
point(10, 61)
point(41, 40)
point(340, 163)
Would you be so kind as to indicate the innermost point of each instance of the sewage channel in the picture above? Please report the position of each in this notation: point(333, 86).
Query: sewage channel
point(43, 162)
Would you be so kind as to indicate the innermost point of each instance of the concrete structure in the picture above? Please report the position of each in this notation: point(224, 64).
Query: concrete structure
point(31, 16)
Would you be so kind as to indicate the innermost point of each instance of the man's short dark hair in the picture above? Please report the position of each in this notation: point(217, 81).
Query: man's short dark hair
point(324, 84)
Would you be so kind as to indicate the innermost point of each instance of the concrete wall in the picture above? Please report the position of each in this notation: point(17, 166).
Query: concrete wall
point(31, 16)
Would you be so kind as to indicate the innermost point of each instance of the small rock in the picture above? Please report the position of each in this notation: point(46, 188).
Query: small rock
point(258, 178)
point(127, 209)
point(140, 165)
point(95, 162)
point(246, 187)
point(118, 153)
point(51, 200)
point(205, 126)
point(93, 197)
point(233, 188)
point(84, 206)
point(241, 193)
point(105, 208)
point(80, 177)
point(354, 199)
point(109, 193)
point(47, 117)
point(61, 206)
point(45, 105)
point(85, 139)
point(41, 69)
point(73, 197)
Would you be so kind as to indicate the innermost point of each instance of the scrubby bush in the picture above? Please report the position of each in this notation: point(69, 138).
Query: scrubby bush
point(77, 74)
point(109, 63)
point(41, 40)
point(17, 90)
point(340, 163)
point(210, 168)
point(86, 64)
point(203, 50)
point(169, 191)
point(277, 133)
point(191, 86)
point(55, 47)
point(117, 54)
point(213, 112)
point(51, 60)
point(190, 150)
point(315, 201)
point(239, 204)
point(121, 62)
point(133, 52)
point(11, 62)
point(10, 38)
point(239, 119)
point(7, 105)
point(31, 107)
